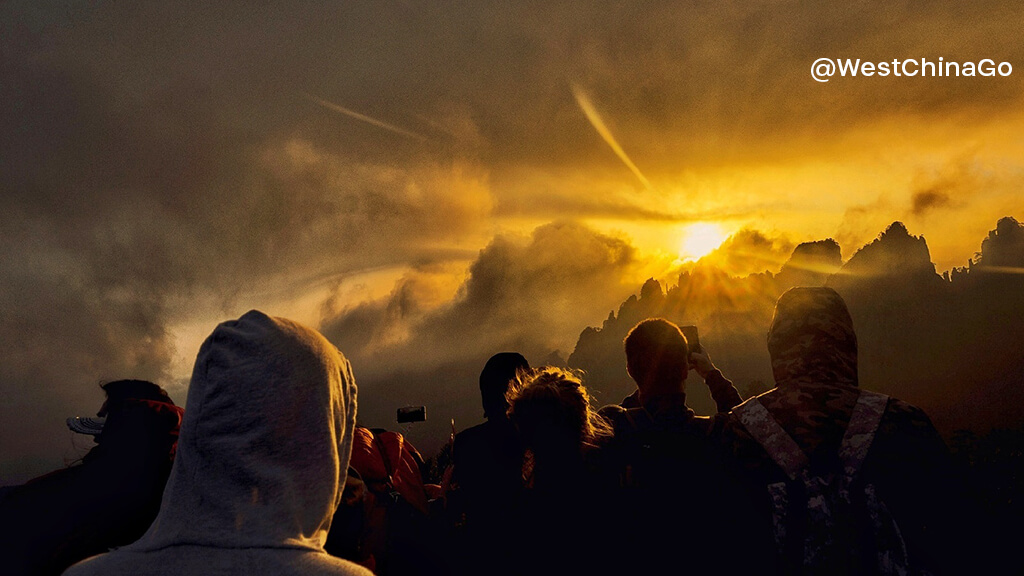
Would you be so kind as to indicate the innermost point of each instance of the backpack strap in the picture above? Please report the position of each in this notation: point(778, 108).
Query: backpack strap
point(639, 421)
point(779, 445)
point(388, 468)
point(864, 422)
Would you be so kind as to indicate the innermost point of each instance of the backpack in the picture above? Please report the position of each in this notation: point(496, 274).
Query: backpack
point(846, 527)
point(653, 455)
point(670, 495)
point(390, 466)
point(390, 505)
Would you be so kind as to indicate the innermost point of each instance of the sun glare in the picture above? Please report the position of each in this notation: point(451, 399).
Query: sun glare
point(700, 239)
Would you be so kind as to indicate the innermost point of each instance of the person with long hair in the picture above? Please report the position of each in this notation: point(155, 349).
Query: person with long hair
point(563, 436)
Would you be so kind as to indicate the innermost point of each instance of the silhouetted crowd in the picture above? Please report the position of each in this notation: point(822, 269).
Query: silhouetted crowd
point(266, 471)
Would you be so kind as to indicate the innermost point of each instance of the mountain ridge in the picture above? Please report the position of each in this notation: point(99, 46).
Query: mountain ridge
point(912, 323)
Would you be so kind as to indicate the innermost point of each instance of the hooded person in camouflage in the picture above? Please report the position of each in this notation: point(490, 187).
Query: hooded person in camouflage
point(813, 350)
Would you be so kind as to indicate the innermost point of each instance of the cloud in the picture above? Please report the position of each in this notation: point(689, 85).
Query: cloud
point(955, 183)
point(162, 163)
point(750, 251)
point(521, 292)
point(65, 332)
point(861, 223)
point(527, 294)
point(370, 329)
point(926, 200)
point(141, 191)
point(952, 199)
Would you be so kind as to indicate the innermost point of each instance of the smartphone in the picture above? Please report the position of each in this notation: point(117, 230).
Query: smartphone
point(412, 414)
point(692, 339)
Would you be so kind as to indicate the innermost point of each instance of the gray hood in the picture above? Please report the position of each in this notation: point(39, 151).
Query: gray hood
point(265, 441)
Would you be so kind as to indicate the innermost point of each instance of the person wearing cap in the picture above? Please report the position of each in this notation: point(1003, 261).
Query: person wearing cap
point(108, 499)
point(261, 462)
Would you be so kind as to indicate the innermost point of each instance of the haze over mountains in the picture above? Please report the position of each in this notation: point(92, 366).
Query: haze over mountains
point(951, 344)
point(948, 343)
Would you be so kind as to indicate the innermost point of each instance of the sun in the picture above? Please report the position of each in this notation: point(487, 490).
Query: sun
point(700, 239)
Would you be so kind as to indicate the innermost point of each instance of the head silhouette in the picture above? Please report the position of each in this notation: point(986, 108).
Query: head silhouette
point(120, 390)
point(811, 339)
point(656, 356)
point(551, 409)
point(500, 370)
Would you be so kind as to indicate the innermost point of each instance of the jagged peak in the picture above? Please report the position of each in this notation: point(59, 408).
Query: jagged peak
point(651, 289)
point(1007, 224)
point(822, 256)
point(894, 236)
point(1003, 246)
point(896, 228)
point(894, 252)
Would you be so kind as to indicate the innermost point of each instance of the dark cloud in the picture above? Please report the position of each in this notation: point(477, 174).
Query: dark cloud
point(926, 200)
point(952, 185)
point(529, 295)
point(64, 333)
point(155, 169)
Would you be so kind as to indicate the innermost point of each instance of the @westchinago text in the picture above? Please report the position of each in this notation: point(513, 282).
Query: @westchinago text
point(824, 69)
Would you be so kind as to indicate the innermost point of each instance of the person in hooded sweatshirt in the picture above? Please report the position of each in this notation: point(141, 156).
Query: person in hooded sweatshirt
point(816, 401)
point(261, 461)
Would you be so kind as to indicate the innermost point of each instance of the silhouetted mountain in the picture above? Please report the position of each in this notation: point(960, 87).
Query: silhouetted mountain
point(898, 303)
point(893, 274)
point(811, 264)
point(950, 345)
point(894, 252)
point(985, 356)
point(1001, 256)
point(726, 310)
point(1004, 246)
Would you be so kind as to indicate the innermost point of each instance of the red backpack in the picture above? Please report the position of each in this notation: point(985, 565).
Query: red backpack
point(394, 502)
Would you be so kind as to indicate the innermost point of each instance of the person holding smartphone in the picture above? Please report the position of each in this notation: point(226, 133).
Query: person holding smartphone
point(658, 356)
point(674, 496)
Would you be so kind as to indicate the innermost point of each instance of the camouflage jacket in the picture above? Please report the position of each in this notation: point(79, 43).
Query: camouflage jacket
point(813, 349)
point(908, 462)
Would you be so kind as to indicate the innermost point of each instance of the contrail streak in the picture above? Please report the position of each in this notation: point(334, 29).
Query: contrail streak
point(598, 124)
point(365, 118)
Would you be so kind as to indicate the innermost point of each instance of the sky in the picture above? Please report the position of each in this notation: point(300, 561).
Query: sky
point(367, 168)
